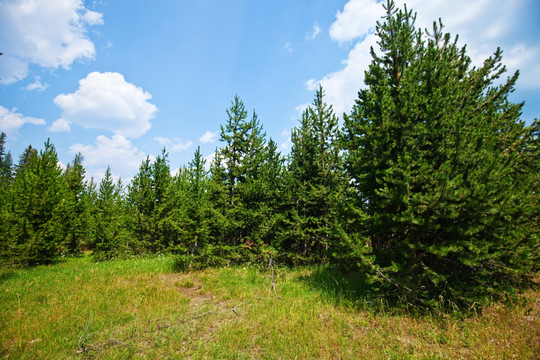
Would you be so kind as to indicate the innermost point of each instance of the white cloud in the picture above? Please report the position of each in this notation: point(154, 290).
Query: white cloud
point(11, 121)
point(60, 125)
point(209, 159)
point(288, 47)
point(480, 23)
point(37, 85)
point(106, 101)
point(48, 33)
point(315, 31)
point(286, 143)
point(208, 137)
point(181, 146)
point(342, 86)
point(526, 59)
point(175, 145)
point(117, 152)
point(357, 19)
point(299, 110)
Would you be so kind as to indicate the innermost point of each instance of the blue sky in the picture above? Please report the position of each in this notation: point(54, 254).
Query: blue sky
point(119, 80)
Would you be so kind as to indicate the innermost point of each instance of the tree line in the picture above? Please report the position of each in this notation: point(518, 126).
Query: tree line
point(430, 185)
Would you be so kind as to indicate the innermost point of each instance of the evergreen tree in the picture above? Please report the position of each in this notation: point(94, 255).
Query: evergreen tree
point(6, 163)
point(198, 206)
point(111, 238)
point(240, 136)
point(316, 183)
point(246, 165)
point(6, 168)
point(141, 203)
point(37, 199)
point(147, 195)
point(439, 159)
point(197, 215)
point(161, 182)
point(76, 206)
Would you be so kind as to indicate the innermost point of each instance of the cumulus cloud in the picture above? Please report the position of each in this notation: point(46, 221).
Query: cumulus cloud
point(342, 86)
point(11, 121)
point(208, 137)
point(106, 101)
point(481, 24)
point(357, 19)
point(50, 34)
point(36, 85)
point(175, 145)
point(117, 152)
point(60, 125)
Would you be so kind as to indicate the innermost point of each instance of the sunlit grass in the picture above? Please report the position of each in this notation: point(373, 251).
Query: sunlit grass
point(142, 308)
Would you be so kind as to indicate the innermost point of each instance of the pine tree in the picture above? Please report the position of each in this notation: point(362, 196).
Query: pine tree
point(316, 183)
point(161, 215)
point(234, 134)
point(6, 168)
point(141, 200)
point(240, 137)
point(147, 196)
point(6, 162)
point(239, 189)
point(76, 206)
point(197, 215)
point(198, 208)
point(440, 162)
point(37, 208)
point(111, 238)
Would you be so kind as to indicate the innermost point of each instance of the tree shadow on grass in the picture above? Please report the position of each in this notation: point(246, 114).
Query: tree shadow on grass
point(353, 289)
point(349, 288)
point(6, 275)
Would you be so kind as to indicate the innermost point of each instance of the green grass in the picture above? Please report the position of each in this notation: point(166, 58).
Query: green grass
point(142, 308)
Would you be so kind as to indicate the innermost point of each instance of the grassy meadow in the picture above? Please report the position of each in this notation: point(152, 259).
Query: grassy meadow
point(144, 309)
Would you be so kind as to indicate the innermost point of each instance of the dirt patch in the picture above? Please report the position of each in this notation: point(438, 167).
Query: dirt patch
point(188, 285)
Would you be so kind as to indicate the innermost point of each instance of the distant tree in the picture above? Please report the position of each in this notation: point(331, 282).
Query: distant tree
point(197, 214)
point(6, 162)
point(246, 164)
point(198, 206)
point(6, 174)
point(147, 198)
point(111, 238)
point(77, 206)
point(141, 201)
point(161, 182)
point(237, 134)
point(442, 166)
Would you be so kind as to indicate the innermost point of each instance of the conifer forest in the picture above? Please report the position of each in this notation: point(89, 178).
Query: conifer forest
point(430, 186)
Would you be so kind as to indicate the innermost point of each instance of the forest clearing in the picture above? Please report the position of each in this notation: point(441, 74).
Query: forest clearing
point(404, 229)
point(143, 308)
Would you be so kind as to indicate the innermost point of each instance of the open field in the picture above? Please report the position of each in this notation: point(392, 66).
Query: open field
point(143, 308)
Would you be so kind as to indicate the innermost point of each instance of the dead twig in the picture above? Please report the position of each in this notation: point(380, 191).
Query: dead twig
point(271, 265)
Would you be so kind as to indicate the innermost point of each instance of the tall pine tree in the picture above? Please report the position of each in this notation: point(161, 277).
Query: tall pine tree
point(37, 197)
point(316, 185)
point(441, 164)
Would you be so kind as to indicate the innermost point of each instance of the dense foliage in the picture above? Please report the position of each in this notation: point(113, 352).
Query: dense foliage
point(442, 165)
point(431, 186)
